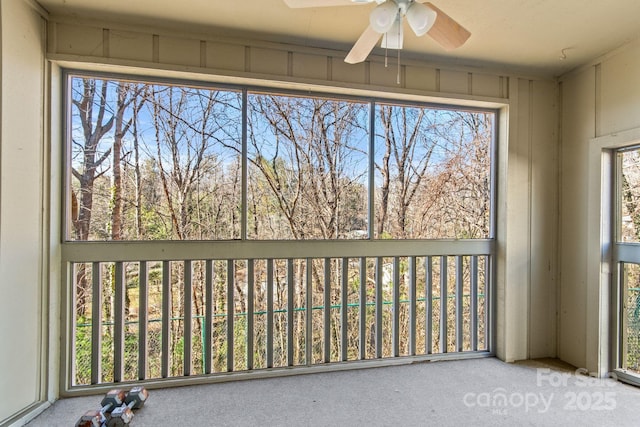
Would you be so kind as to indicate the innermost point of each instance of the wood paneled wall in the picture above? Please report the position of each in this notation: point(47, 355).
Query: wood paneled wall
point(114, 44)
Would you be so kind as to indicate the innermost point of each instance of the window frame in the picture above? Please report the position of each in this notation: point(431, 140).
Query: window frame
point(624, 253)
point(372, 100)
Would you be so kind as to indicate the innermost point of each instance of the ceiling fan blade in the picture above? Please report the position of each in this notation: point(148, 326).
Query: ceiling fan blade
point(446, 31)
point(297, 4)
point(363, 46)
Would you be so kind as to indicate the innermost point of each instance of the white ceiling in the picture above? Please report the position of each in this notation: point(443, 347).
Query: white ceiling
point(527, 36)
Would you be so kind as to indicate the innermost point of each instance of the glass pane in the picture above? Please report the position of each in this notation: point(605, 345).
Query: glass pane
point(432, 173)
point(164, 162)
point(308, 163)
point(631, 318)
point(153, 162)
point(629, 197)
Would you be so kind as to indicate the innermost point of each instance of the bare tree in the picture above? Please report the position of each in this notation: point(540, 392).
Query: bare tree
point(91, 96)
point(187, 129)
point(408, 148)
point(138, 102)
point(127, 94)
point(310, 156)
point(94, 128)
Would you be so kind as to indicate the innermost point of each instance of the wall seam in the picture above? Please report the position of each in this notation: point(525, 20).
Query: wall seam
point(559, 244)
point(155, 53)
point(105, 42)
point(289, 64)
point(247, 59)
point(529, 213)
point(38, 8)
point(203, 53)
point(597, 100)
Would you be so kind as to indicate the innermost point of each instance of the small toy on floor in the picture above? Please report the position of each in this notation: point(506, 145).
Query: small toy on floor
point(117, 408)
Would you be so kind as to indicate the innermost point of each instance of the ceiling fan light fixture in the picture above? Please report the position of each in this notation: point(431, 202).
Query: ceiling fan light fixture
point(421, 18)
point(383, 16)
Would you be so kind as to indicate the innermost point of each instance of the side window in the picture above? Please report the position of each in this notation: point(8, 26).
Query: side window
point(628, 259)
point(629, 196)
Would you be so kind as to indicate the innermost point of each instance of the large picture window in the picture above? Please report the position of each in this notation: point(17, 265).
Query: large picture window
point(221, 229)
point(172, 161)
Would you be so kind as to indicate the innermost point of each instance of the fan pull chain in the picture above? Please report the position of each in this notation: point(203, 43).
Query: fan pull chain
point(399, 35)
point(386, 55)
point(398, 79)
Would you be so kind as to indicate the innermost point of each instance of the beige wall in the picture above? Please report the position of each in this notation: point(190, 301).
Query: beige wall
point(527, 227)
point(22, 171)
point(599, 101)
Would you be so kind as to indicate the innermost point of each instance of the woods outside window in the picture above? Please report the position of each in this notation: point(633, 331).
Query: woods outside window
point(170, 161)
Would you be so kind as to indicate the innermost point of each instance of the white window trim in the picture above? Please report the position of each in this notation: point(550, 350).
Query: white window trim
point(600, 240)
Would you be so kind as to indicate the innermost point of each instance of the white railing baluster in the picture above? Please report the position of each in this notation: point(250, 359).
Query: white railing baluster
point(363, 308)
point(443, 304)
point(188, 316)
point(290, 306)
point(396, 307)
point(379, 306)
point(250, 312)
point(96, 322)
point(143, 318)
point(412, 306)
point(459, 304)
point(489, 280)
point(118, 327)
point(344, 309)
point(327, 310)
point(230, 313)
point(309, 314)
point(428, 301)
point(270, 313)
point(208, 316)
point(166, 318)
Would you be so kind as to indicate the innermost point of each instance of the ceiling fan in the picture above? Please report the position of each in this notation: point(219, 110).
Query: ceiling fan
point(385, 21)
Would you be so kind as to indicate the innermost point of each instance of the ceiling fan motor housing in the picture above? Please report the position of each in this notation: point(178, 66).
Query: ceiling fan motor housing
point(386, 18)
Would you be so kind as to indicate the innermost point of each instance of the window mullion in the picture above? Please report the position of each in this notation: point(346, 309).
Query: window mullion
point(372, 182)
point(245, 174)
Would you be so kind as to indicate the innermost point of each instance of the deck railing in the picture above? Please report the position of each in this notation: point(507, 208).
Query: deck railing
point(152, 311)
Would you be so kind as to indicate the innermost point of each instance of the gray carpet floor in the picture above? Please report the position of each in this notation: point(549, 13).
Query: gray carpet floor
point(479, 392)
